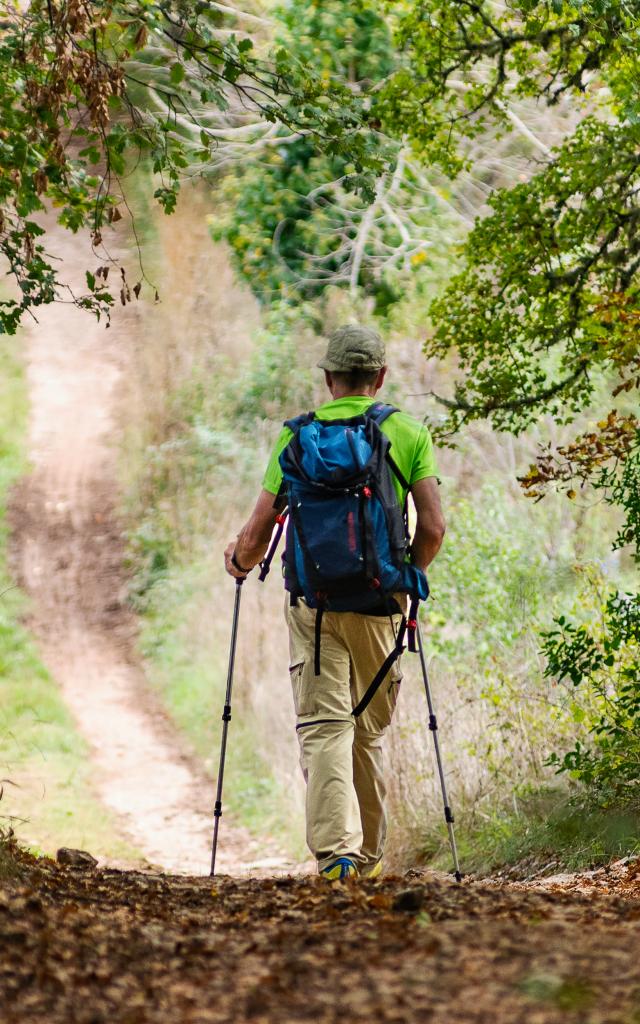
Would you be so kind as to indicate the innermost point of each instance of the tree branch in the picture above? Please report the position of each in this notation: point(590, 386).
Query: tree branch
point(475, 411)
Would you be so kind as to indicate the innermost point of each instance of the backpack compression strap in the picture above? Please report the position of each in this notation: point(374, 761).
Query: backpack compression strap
point(317, 633)
point(376, 682)
point(408, 626)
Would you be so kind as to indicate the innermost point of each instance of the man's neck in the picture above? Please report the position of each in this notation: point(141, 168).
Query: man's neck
point(336, 394)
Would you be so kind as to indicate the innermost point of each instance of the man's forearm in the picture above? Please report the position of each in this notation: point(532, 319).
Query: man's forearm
point(252, 542)
point(430, 526)
point(250, 547)
point(425, 547)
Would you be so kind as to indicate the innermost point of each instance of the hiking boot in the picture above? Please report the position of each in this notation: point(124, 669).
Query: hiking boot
point(339, 870)
point(375, 871)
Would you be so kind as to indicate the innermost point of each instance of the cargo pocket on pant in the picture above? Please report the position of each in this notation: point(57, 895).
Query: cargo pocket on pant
point(296, 673)
point(393, 686)
point(378, 715)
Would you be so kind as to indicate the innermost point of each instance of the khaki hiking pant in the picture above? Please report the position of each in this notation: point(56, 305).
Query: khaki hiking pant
point(341, 756)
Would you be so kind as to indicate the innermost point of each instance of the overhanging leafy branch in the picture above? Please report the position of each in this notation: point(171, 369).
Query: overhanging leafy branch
point(80, 72)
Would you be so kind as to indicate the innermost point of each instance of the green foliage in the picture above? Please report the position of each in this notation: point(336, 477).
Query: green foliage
point(86, 89)
point(278, 377)
point(603, 655)
point(292, 218)
point(149, 555)
point(464, 62)
point(499, 577)
point(214, 437)
point(203, 456)
point(546, 305)
point(556, 247)
point(548, 294)
point(350, 39)
point(493, 559)
point(293, 221)
point(622, 488)
point(566, 994)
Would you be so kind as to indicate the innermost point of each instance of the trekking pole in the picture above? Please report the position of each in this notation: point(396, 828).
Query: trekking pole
point(226, 718)
point(433, 726)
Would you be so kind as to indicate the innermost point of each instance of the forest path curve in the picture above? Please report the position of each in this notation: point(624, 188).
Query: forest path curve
point(68, 554)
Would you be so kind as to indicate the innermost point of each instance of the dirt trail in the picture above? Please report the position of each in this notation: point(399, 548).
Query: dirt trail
point(68, 554)
point(94, 947)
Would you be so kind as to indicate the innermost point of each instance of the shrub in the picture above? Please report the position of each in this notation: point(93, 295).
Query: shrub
point(601, 656)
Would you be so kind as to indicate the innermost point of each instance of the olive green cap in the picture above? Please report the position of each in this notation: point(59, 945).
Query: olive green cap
point(353, 347)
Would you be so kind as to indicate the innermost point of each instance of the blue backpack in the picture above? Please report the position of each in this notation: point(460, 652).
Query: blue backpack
point(347, 535)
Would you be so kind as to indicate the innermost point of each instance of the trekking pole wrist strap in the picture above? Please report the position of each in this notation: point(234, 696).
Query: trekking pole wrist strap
point(236, 565)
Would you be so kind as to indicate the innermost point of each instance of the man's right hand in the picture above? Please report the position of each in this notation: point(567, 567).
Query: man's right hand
point(228, 564)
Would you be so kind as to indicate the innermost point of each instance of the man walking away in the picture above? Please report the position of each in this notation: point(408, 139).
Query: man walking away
point(341, 634)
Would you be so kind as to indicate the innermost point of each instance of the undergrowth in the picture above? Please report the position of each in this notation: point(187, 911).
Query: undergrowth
point(15, 859)
point(549, 832)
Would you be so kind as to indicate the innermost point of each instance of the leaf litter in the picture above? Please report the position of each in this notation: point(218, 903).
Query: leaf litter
point(105, 946)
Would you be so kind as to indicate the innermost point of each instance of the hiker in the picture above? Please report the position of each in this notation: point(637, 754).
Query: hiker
point(346, 636)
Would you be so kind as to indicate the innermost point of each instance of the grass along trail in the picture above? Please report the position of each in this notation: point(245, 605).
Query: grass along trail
point(68, 553)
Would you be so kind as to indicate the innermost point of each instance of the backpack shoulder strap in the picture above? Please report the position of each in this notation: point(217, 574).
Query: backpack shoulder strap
point(379, 412)
point(395, 469)
point(300, 421)
point(291, 455)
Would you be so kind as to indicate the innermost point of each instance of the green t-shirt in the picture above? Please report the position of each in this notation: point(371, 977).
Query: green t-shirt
point(411, 444)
